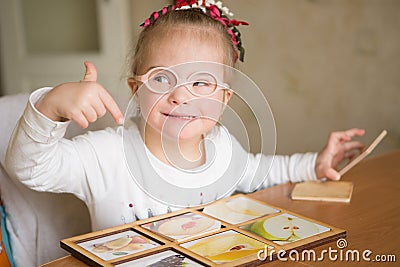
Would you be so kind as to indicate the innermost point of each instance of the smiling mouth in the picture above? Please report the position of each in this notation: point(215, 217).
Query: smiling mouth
point(185, 117)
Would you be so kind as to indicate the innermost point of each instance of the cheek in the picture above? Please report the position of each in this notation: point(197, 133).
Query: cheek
point(149, 103)
point(211, 111)
point(196, 128)
point(208, 124)
point(212, 108)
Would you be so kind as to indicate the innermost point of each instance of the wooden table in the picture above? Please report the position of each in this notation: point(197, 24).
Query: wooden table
point(372, 219)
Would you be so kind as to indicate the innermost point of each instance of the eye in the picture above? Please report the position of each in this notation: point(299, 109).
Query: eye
point(161, 79)
point(201, 84)
point(202, 80)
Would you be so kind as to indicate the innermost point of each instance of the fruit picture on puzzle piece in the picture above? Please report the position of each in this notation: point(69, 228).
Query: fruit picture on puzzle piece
point(238, 210)
point(285, 228)
point(183, 226)
point(118, 245)
point(225, 247)
point(167, 258)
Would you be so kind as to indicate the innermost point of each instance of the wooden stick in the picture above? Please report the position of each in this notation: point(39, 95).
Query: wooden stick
point(363, 154)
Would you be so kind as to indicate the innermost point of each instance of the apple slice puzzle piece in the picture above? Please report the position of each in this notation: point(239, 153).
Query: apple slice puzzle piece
point(238, 210)
point(183, 226)
point(285, 228)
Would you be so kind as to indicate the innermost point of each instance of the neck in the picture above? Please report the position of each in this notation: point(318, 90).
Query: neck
point(180, 153)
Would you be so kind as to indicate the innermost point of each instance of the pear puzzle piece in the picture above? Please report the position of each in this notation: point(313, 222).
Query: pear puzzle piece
point(225, 247)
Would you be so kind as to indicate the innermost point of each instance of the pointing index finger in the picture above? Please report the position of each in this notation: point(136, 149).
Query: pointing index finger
point(112, 107)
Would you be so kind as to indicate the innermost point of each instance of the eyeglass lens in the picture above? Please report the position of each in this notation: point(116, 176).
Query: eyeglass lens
point(200, 83)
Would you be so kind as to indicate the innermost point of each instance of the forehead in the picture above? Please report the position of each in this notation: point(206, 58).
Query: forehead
point(171, 46)
point(202, 70)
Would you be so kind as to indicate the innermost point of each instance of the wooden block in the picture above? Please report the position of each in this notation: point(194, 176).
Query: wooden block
point(332, 191)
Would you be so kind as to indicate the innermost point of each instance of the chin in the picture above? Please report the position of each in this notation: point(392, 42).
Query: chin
point(188, 135)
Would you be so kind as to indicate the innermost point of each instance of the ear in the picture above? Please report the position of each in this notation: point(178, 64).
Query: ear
point(133, 84)
point(227, 96)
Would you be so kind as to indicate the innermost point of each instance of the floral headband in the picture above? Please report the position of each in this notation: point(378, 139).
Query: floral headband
point(213, 9)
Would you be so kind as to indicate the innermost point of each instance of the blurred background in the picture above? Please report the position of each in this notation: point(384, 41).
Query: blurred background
point(323, 65)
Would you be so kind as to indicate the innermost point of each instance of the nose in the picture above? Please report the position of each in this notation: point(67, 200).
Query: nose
point(180, 95)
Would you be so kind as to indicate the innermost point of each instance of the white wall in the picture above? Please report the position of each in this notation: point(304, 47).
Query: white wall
point(325, 65)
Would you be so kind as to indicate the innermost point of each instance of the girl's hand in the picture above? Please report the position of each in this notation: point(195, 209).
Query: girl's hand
point(82, 102)
point(339, 147)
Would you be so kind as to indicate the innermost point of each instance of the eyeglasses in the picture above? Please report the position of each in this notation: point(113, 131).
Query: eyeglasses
point(162, 80)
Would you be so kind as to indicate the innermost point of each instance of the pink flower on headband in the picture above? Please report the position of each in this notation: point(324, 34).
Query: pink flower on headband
point(213, 9)
point(215, 13)
point(180, 3)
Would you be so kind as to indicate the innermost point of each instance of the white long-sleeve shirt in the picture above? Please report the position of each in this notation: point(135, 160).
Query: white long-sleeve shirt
point(120, 181)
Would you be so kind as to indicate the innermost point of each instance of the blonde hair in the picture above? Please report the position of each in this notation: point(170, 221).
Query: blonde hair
point(177, 21)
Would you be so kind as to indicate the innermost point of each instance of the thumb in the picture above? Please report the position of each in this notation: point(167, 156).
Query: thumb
point(332, 174)
point(90, 72)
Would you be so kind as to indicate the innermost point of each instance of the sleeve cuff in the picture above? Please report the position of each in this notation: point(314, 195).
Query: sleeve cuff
point(40, 128)
point(311, 170)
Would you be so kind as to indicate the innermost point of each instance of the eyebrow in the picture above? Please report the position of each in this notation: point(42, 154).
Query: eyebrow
point(153, 67)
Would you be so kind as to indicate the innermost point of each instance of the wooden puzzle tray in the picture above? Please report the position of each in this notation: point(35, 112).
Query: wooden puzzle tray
point(234, 231)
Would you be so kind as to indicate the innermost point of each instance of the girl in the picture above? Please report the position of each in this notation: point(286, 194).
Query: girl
point(174, 119)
